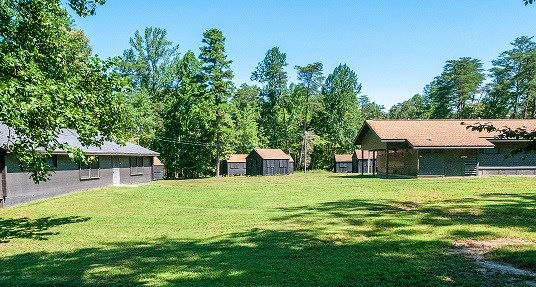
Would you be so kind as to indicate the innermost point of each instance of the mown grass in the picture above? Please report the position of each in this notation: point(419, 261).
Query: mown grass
point(318, 229)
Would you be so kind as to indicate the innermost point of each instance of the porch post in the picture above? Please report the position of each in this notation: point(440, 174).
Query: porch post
point(374, 163)
point(362, 163)
point(387, 160)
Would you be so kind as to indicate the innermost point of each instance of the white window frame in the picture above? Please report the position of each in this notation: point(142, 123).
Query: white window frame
point(136, 169)
point(93, 169)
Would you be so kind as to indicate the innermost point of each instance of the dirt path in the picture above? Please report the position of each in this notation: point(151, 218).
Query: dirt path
point(476, 249)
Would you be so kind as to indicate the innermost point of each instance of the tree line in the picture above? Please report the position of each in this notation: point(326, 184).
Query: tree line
point(188, 108)
point(464, 90)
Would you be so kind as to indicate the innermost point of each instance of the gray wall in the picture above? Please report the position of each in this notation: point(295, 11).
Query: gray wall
point(499, 161)
point(342, 167)
point(20, 188)
point(226, 168)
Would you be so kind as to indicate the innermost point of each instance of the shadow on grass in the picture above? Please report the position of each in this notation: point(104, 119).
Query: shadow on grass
point(36, 229)
point(252, 258)
point(359, 176)
point(384, 218)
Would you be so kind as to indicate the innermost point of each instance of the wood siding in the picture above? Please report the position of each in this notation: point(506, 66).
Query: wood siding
point(255, 165)
point(66, 178)
point(343, 167)
point(233, 168)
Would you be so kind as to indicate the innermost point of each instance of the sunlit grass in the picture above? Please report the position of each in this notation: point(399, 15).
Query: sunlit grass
point(318, 229)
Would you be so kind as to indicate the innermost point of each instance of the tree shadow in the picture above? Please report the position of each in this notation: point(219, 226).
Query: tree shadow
point(385, 217)
point(36, 229)
point(252, 258)
point(365, 176)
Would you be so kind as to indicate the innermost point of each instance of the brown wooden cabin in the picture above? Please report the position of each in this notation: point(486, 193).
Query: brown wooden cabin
point(267, 162)
point(343, 163)
point(234, 164)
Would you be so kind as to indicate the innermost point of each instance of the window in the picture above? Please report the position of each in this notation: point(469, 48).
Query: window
point(136, 165)
point(283, 163)
point(91, 170)
point(52, 162)
point(237, 165)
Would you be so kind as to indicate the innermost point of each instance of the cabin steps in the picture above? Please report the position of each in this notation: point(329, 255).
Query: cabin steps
point(470, 165)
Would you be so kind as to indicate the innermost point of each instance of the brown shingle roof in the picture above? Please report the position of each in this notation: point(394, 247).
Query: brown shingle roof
point(271, 153)
point(366, 154)
point(440, 133)
point(236, 157)
point(343, 158)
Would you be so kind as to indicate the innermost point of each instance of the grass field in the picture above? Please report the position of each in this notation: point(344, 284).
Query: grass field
point(318, 229)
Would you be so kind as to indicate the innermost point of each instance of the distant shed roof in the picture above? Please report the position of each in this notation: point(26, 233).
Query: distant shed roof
point(438, 133)
point(271, 153)
point(70, 137)
point(343, 158)
point(366, 154)
point(236, 157)
point(157, 162)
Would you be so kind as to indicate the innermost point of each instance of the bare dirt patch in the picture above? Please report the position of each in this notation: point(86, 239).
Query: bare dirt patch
point(477, 249)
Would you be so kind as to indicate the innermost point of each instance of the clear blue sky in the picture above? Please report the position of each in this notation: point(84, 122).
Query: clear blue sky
point(395, 47)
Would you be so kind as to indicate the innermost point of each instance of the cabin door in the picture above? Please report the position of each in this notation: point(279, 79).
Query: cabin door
point(116, 171)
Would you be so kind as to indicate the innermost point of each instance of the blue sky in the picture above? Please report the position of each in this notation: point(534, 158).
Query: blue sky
point(395, 47)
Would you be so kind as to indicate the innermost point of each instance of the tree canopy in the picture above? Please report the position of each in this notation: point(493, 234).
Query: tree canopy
point(49, 81)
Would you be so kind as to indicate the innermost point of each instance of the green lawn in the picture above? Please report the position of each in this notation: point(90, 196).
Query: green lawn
point(318, 229)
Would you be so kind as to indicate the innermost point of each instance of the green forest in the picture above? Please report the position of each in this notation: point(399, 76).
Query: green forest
point(187, 107)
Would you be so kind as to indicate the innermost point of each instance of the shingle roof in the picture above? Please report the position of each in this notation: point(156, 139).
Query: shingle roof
point(366, 154)
point(70, 137)
point(237, 157)
point(438, 133)
point(343, 158)
point(271, 153)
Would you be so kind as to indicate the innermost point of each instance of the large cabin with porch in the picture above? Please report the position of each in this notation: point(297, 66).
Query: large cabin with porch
point(444, 148)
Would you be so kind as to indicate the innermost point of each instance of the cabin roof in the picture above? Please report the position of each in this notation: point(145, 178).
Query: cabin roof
point(343, 158)
point(271, 153)
point(236, 157)
point(438, 133)
point(70, 137)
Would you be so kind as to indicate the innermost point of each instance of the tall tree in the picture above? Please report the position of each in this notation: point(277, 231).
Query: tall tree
point(414, 108)
point(271, 74)
point(217, 78)
point(338, 120)
point(246, 115)
point(185, 141)
point(50, 81)
point(146, 64)
point(464, 78)
point(512, 91)
point(310, 78)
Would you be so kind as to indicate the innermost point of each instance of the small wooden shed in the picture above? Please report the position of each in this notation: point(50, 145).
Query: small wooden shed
point(267, 162)
point(158, 169)
point(363, 161)
point(234, 164)
point(343, 163)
